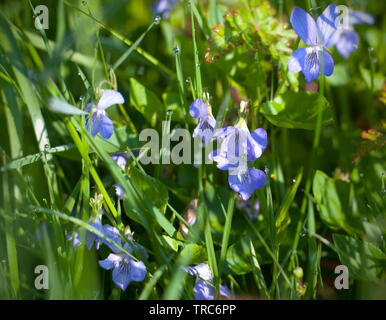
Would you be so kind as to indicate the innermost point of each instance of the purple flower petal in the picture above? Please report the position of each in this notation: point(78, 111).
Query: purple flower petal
point(137, 270)
point(359, 17)
point(225, 292)
point(328, 68)
point(122, 275)
point(110, 98)
point(106, 127)
point(246, 182)
point(305, 26)
point(202, 270)
point(311, 67)
point(202, 290)
point(296, 60)
point(257, 144)
point(198, 109)
point(110, 262)
point(327, 24)
point(346, 42)
point(113, 234)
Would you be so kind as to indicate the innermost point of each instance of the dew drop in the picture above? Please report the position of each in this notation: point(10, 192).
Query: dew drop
point(375, 60)
point(46, 147)
point(187, 80)
point(157, 19)
point(78, 73)
point(371, 49)
point(176, 50)
point(198, 65)
point(84, 3)
point(293, 180)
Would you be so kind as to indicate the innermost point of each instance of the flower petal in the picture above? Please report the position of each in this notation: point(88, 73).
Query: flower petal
point(122, 275)
point(110, 98)
point(311, 68)
point(246, 182)
point(202, 290)
point(198, 109)
point(113, 234)
point(358, 17)
point(106, 127)
point(110, 262)
point(95, 124)
point(257, 143)
point(327, 24)
point(296, 60)
point(347, 42)
point(137, 270)
point(305, 26)
point(225, 292)
point(328, 62)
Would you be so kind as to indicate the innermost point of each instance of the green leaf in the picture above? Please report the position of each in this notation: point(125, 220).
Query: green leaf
point(146, 102)
point(283, 219)
point(170, 242)
point(340, 77)
point(335, 202)
point(297, 110)
point(238, 258)
point(196, 253)
point(19, 163)
point(363, 260)
point(150, 188)
point(59, 106)
point(378, 79)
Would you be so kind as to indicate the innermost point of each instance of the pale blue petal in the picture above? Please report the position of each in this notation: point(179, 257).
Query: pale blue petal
point(113, 234)
point(257, 143)
point(327, 24)
point(202, 290)
point(111, 261)
point(225, 292)
point(137, 270)
point(198, 109)
point(296, 60)
point(359, 17)
point(347, 42)
point(122, 275)
point(311, 68)
point(106, 127)
point(305, 26)
point(110, 98)
point(247, 182)
point(328, 64)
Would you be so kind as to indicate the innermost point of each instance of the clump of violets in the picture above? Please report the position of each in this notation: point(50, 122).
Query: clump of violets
point(100, 123)
point(203, 111)
point(345, 38)
point(314, 59)
point(238, 148)
point(203, 287)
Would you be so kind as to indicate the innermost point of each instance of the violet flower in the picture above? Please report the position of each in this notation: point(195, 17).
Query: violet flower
point(345, 38)
point(100, 122)
point(203, 288)
point(205, 128)
point(313, 60)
